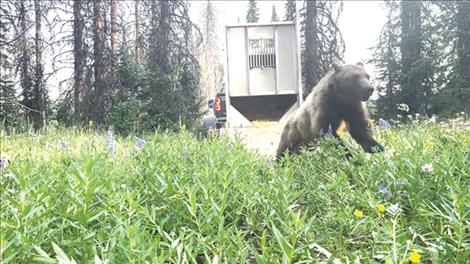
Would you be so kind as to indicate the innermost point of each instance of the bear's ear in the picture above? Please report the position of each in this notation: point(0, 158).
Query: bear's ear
point(336, 67)
point(360, 64)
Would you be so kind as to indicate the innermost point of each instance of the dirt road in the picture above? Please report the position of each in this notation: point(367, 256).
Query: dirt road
point(262, 136)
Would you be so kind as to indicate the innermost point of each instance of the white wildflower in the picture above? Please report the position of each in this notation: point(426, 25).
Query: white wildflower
point(393, 209)
point(427, 168)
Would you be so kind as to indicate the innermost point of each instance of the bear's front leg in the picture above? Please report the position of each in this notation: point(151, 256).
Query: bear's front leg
point(361, 132)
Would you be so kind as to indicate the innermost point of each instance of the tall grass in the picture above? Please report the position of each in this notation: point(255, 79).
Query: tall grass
point(183, 200)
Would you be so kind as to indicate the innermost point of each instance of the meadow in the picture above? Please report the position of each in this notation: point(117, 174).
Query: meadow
point(86, 196)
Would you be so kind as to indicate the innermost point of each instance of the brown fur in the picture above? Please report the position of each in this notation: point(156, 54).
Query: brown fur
point(336, 98)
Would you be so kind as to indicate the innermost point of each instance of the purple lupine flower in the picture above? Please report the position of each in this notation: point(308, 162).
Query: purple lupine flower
point(111, 142)
point(384, 123)
point(139, 145)
point(330, 129)
point(63, 143)
point(185, 152)
point(269, 162)
point(321, 132)
point(384, 191)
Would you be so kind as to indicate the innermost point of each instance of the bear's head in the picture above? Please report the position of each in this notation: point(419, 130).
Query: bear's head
point(350, 83)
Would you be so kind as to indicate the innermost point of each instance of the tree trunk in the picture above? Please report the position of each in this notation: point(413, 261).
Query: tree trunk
point(99, 65)
point(463, 51)
point(160, 56)
point(311, 58)
point(79, 61)
point(39, 91)
point(113, 28)
point(26, 79)
point(463, 40)
point(411, 45)
point(137, 33)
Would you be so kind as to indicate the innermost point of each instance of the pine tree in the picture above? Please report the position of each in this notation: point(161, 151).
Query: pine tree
point(290, 10)
point(252, 15)
point(387, 61)
point(321, 45)
point(463, 53)
point(24, 60)
point(209, 58)
point(274, 16)
point(411, 54)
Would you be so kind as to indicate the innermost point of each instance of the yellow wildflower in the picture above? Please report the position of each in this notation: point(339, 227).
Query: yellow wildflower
point(5, 156)
point(388, 261)
point(381, 208)
point(415, 257)
point(90, 123)
point(358, 213)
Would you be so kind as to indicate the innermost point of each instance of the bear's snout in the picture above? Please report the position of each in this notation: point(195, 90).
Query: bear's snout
point(367, 93)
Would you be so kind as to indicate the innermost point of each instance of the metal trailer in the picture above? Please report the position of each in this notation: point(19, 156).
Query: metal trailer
point(263, 72)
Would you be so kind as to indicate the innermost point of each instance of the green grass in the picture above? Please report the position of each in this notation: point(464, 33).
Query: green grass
point(183, 200)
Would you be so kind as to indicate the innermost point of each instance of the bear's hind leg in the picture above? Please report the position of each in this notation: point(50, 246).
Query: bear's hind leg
point(290, 143)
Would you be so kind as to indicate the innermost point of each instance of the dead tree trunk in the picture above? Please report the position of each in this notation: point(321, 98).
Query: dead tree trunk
point(26, 79)
point(113, 28)
point(137, 33)
point(79, 61)
point(99, 63)
point(39, 91)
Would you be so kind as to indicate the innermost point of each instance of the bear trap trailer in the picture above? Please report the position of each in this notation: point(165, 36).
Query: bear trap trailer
point(262, 73)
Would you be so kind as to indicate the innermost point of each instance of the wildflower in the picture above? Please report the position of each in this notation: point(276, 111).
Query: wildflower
point(384, 191)
point(63, 143)
point(123, 186)
point(388, 261)
point(269, 163)
point(358, 213)
point(185, 152)
point(4, 158)
point(321, 132)
point(381, 208)
point(111, 142)
point(139, 145)
point(384, 124)
point(330, 129)
point(427, 168)
point(393, 209)
point(415, 257)
point(90, 123)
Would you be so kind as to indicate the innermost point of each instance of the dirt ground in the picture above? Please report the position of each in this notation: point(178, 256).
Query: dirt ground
point(261, 136)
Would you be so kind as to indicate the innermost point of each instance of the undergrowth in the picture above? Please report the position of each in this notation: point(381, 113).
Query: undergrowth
point(177, 199)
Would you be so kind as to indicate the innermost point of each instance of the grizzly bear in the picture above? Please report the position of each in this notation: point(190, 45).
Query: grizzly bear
point(337, 97)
